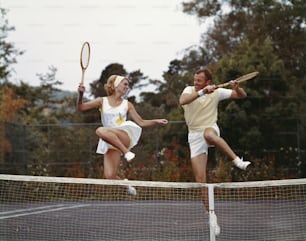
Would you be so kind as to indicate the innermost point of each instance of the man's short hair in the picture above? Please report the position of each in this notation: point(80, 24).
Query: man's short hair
point(206, 71)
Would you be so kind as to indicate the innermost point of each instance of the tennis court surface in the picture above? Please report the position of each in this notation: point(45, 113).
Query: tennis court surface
point(156, 213)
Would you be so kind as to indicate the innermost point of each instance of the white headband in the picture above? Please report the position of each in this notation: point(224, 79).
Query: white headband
point(118, 80)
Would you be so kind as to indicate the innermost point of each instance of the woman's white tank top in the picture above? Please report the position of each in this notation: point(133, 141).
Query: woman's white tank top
point(113, 116)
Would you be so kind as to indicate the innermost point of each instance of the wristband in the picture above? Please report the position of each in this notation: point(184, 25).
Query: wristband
point(201, 93)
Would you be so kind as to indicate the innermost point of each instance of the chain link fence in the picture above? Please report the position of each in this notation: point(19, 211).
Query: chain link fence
point(162, 153)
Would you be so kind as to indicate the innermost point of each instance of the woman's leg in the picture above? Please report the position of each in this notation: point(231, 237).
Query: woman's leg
point(117, 138)
point(111, 166)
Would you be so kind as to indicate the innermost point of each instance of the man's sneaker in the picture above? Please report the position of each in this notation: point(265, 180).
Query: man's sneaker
point(131, 190)
point(129, 156)
point(214, 223)
point(240, 163)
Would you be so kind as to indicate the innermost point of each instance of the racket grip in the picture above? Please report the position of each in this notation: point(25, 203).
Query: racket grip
point(223, 85)
point(82, 78)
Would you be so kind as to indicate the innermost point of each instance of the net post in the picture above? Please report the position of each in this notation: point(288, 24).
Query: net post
point(211, 201)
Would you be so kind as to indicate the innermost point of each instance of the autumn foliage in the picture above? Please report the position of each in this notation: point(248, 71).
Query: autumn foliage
point(9, 106)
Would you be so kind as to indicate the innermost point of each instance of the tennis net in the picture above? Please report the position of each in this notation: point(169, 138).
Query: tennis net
point(59, 208)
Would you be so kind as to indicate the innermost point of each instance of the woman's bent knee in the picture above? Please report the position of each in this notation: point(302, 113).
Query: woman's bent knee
point(100, 131)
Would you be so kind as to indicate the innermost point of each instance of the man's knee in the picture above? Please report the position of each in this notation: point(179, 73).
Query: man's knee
point(211, 136)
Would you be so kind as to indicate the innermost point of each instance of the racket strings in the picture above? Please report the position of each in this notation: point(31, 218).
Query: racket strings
point(85, 55)
point(241, 78)
point(247, 76)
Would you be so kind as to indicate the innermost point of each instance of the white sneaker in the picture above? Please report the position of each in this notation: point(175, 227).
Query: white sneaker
point(214, 224)
point(129, 156)
point(131, 190)
point(240, 163)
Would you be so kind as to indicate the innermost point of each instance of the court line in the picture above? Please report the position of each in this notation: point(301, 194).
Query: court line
point(42, 211)
point(31, 209)
point(146, 204)
point(58, 207)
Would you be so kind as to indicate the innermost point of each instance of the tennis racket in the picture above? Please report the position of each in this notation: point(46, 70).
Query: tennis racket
point(241, 79)
point(84, 58)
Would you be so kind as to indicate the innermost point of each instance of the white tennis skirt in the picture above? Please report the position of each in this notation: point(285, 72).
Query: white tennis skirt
point(132, 129)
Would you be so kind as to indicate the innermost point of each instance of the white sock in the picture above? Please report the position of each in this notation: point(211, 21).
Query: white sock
point(129, 156)
point(214, 224)
point(240, 163)
point(131, 190)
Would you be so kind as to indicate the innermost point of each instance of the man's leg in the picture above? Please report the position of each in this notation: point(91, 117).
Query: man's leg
point(199, 164)
point(213, 139)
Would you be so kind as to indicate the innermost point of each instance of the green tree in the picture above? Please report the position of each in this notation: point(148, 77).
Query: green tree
point(281, 99)
point(243, 120)
point(252, 126)
point(235, 21)
point(8, 52)
point(43, 101)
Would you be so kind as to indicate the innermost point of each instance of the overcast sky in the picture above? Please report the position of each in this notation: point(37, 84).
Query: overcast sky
point(140, 34)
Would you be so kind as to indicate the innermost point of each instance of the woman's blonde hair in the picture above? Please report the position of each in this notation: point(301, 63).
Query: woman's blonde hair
point(109, 86)
point(112, 82)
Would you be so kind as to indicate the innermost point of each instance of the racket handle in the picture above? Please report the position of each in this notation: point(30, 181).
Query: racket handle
point(227, 83)
point(223, 85)
point(82, 78)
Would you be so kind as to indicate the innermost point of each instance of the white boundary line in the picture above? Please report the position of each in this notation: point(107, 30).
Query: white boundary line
point(27, 209)
point(53, 208)
point(32, 211)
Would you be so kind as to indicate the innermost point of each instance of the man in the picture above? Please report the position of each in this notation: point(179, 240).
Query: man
point(200, 104)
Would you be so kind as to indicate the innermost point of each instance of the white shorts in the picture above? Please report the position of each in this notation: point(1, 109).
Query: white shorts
point(133, 131)
point(197, 142)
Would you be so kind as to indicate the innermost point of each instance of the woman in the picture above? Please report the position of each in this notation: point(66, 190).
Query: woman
point(116, 135)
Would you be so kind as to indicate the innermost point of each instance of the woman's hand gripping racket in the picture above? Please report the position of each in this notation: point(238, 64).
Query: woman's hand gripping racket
point(240, 79)
point(84, 59)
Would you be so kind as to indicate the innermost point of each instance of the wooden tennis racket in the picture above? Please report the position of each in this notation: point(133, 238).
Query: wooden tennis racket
point(241, 79)
point(84, 58)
